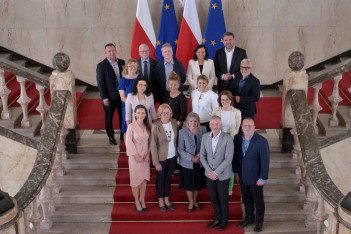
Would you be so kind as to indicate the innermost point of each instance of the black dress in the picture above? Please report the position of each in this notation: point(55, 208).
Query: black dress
point(192, 179)
point(178, 106)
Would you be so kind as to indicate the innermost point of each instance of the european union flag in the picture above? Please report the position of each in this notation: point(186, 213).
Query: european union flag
point(168, 30)
point(215, 27)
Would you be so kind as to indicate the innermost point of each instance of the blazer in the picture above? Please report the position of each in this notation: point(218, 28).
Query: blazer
point(107, 79)
point(249, 95)
point(255, 164)
point(160, 81)
point(220, 62)
point(132, 101)
point(219, 161)
point(187, 147)
point(159, 141)
point(235, 120)
point(152, 73)
point(194, 71)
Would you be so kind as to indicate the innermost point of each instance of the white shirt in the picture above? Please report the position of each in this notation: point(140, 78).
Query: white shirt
point(229, 56)
point(215, 141)
point(225, 117)
point(203, 104)
point(170, 135)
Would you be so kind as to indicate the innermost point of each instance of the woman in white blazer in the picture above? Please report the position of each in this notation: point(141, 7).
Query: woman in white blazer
point(140, 95)
point(200, 65)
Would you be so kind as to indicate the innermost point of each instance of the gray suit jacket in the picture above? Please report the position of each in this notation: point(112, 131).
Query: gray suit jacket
point(219, 161)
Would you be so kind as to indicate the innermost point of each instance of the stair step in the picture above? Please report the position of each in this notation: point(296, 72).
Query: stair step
point(286, 227)
point(5, 55)
point(90, 161)
point(35, 69)
point(21, 62)
point(282, 193)
point(282, 176)
point(83, 213)
point(78, 228)
point(282, 160)
point(284, 211)
point(96, 145)
point(32, 131)
point(344, 112)
point(88, 177)
point(275, 146)
point(329, 131)
point(16, 116)
point(85, 194)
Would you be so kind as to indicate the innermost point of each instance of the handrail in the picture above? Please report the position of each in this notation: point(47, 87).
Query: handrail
point(310, 149)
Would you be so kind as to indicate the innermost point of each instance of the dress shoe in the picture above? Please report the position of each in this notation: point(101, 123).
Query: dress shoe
point(213, 224)
point(162, 208)
point(145, 209)
point(190, 210)
point(139, 211)
point(112, 141)
point(245, 223)
point(258, 227)
point(222, 225)
point(197, 207)
point(170, 207)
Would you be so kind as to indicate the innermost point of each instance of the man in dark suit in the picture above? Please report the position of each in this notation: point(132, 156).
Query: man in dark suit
point(163, 69)
point(246, 90)
point(108, 73)
point(251, 166)
point(147, 66)
point(216, 155)
point(227, 62)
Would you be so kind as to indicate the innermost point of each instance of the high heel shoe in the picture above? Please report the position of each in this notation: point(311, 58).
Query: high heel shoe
point(139, 211)
point(144, 208)
point(197, 207)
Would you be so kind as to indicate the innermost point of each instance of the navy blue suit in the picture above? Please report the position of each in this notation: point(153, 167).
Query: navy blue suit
point(249, 95)
point(107, 84)
point(251, 167)
point(220, 63)
point(160, 83)
point(152, 74)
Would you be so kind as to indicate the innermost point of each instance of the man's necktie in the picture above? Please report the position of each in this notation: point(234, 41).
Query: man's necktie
point(146, 73)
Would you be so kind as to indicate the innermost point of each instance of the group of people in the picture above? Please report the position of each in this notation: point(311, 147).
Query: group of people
point(210, 146)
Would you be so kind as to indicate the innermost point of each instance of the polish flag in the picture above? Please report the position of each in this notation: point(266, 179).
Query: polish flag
point(190, 33)
point(144, 32)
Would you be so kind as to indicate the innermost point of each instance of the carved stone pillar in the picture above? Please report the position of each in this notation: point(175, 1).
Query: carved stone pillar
point(310, 203)
point(319, 214)
point(335, 99)
point(33, 217)
point(300, 166)
point(4, 93)
point(23, 101)
point(42, 107)
point(44, 199)
point(315, 107)
point(331, 223)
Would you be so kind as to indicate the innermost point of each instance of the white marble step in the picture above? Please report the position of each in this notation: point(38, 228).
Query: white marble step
point(90, 161)
point(275, 146)
point(282, 160)
point(330, 131)
point(88, 177)
point(82, 213)
point(282, 193)
point(282, 176)
point(276, 211)
point(96, 145)
point(85, 194)
point(286, 227)
point(78, 228)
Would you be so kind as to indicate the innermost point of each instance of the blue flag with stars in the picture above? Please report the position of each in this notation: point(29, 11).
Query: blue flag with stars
point(168, 30)
point(215, 27)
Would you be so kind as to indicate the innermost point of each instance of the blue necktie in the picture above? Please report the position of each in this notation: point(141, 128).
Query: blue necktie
point(146, 73)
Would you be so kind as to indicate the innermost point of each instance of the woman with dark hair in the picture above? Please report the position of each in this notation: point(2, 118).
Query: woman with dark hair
point(175, 99)
point(138, 150)
point(200, 65)
point(140, 95)
point(192, 174)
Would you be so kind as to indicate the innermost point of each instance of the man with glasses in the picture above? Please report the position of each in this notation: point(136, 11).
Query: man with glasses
point(251, 166)
point(246, 90)
point(227, 62)
point(147, 66)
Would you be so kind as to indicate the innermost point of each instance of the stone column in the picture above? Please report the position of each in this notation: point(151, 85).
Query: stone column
point(63, 79)
point(294, 78)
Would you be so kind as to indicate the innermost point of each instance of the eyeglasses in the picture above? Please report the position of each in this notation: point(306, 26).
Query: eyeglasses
point(166, 113)
point(247, 126)
point(133, 66)
point(225, 100)
point(245, 68)
point(143, 51)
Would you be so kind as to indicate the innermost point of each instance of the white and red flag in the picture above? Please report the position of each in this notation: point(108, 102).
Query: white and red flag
point(190, 33)
point(144, 32)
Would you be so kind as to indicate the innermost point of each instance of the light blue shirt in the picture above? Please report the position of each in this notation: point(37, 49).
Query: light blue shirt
point(168, 69)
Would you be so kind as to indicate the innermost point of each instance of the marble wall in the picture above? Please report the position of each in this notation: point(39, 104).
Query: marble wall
point(337, 161)
point(269, 29)
point(16, 164)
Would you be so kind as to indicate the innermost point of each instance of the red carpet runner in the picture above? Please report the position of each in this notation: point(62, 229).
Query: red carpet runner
point(155, 221)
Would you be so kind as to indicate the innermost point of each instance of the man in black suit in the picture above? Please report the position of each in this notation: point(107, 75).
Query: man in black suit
point(246, 90)
point(163, 69)
point(251, 166)
point(108, 73)
point(227, 62)
point(147, 66)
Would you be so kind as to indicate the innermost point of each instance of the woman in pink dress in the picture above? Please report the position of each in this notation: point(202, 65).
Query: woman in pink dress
point(138, 150)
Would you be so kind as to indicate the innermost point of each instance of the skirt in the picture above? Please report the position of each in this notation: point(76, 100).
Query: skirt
point(192, 179)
